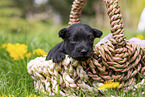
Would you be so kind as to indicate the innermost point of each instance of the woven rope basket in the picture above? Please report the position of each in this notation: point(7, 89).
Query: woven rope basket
point(116, 59)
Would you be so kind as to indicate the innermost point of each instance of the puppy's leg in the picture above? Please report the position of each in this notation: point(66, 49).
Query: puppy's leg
point(58, 56)
point(57, 53)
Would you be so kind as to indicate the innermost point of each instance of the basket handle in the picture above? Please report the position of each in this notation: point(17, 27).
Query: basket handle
point(76, 11)
point(113, 11)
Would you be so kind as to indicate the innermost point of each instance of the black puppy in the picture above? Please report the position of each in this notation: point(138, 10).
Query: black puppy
point(77, 42)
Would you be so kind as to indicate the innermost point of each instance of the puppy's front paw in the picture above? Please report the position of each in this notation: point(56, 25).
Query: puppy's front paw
point(58, 57)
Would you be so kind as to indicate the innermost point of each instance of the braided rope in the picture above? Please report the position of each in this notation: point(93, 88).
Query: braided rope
point(119, 67)
point(117, 27)
point(76, 11)
point(49, 76)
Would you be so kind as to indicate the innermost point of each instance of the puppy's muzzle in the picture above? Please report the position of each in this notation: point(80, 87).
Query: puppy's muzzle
point(83, 52)
point(83, 55)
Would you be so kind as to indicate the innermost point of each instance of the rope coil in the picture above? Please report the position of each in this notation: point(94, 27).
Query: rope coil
point(76, 11)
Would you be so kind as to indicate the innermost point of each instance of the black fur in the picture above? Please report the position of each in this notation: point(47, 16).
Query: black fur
point(77, 42)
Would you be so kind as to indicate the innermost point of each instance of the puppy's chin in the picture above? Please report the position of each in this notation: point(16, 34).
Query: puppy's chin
point(82, 58)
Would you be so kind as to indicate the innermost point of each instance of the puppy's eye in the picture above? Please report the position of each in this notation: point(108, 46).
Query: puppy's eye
point(91, 39)
point(73, 41)
point(91, 42)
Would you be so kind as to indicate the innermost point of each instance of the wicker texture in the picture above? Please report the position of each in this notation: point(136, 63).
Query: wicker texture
point(116, 20)
point(117, 59)
point(67, 75)
point(76, 11)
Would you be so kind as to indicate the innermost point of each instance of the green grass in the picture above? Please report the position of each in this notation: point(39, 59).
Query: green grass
point(14, 78)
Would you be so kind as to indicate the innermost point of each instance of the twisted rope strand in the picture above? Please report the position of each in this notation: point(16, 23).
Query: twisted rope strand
point(76, 11)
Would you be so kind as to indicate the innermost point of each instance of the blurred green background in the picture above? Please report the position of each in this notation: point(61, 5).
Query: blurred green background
point(47, 17)
point(30, 16)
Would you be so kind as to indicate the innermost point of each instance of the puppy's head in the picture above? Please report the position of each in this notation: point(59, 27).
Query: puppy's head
point(78, 40)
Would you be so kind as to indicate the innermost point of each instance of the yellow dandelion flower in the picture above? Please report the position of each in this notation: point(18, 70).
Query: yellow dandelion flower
point(16, 51)
point(28, 55)
point(11, 96)
point(140, 37)
point(3, 95)
point(35, 96)
point(109, 84)
point(39, 52)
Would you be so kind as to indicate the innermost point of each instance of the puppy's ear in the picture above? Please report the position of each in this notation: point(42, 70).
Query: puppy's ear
point(97, 33)
point(62, 33)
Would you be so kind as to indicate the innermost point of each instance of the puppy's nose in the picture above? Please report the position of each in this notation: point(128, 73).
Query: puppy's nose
point(83, 51)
